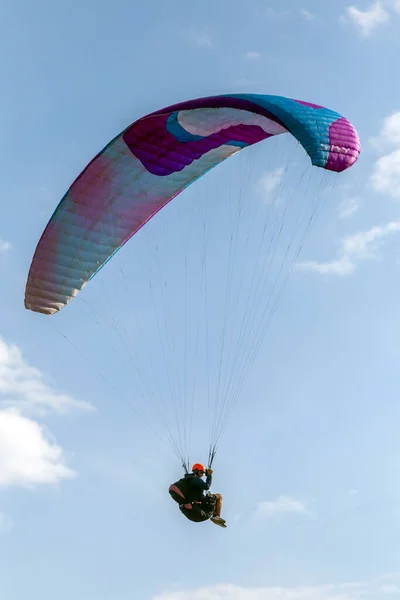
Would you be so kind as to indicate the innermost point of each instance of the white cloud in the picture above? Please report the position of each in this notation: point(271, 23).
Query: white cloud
point(5, 523)
point(28, 456)
point(23, 386)
point(270, 181)
point(364, 245)
point(341, 266)
point(396, 6)
point(344, 591)
point(307, 14)
point(283, 505)
point(369, 19)
point(348, 208)
point(389, 136)
point(4, 246)
point(353, 250)
point(385, 176)
point(200, 38)
point(253, 55)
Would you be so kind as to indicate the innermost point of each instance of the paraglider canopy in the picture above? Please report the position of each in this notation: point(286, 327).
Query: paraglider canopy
point(151, 162)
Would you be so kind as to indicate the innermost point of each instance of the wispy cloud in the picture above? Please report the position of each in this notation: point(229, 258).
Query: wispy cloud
point(366, 20)
point(345, 591)
point(385, 175)
point(348, 208)
point(4, 246)
point(276, 14)
point(23, 386)
point(389, 135)
point(5, 523)
point(253, 55)
point(269, 182)
point(396, 6)
point(353, 250)
point(273, 13)
point(308, 16)
point(199, 38)
point(28, 456)
point(390, 589)
point(340, 266)
point(282, 505)
point(247, 83)
point(45, 191)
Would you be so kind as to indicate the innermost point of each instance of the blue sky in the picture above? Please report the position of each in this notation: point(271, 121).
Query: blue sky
point(308, 466)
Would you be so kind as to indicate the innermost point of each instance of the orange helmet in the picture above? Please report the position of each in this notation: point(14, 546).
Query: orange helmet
point(198, 467)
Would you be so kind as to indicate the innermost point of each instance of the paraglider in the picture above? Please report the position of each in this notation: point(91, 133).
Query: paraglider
point(133, 178)
point(189, 493)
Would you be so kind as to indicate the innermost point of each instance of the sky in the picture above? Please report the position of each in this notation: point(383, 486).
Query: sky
point(309, 462)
